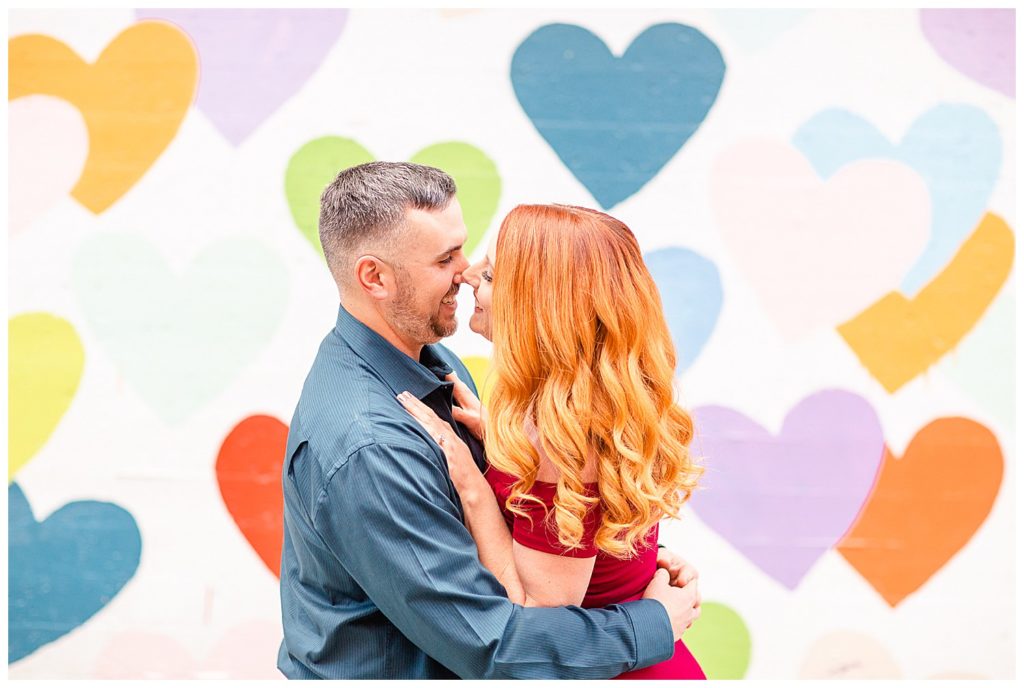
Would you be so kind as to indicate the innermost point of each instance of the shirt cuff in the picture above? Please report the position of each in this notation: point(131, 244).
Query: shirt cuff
point(653, 631)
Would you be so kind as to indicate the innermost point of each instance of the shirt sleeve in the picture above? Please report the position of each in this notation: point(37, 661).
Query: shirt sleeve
point(538, 530)
point(389, 515)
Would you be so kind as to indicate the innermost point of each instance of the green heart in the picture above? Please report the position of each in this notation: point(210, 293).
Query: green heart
point(179, 341)
point(317, 163)
point(720, 641)
point(45, 359)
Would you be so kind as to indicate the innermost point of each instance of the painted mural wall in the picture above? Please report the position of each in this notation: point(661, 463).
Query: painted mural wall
point(830, 221)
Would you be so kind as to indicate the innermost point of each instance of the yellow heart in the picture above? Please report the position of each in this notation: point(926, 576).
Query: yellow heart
point(899, 338)
point(480, 368)
point(45, 359)
point(133, 99)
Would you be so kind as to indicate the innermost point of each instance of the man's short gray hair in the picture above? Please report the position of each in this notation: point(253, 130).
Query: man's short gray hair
point(363, 209)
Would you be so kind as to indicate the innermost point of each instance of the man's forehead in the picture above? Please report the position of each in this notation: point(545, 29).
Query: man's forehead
point(437, 230)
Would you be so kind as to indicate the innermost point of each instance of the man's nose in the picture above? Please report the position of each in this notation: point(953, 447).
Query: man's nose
point(460, 276)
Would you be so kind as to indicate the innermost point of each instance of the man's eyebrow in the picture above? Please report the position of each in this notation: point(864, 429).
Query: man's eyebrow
point(444, 253)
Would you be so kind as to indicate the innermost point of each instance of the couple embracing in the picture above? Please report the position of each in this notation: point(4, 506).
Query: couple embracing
point(429, 537)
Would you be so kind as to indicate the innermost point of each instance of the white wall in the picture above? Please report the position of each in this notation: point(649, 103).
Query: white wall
point(172, 363)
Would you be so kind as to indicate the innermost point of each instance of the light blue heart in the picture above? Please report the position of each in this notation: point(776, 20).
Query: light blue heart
point(180, 339)
point(65, 569)
point(956, 149)
point(755, 29)
point(691, 298)
point(615, 122)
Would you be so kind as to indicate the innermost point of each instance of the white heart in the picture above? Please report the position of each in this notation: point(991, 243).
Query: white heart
point(48, 143)
point(818, 253)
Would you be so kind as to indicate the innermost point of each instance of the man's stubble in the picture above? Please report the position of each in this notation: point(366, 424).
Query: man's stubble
point(411, 323)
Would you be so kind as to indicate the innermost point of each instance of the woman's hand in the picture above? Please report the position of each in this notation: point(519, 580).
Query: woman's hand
point(465, 474)
point(470, 412)
point(679, 570)
point(681, 574)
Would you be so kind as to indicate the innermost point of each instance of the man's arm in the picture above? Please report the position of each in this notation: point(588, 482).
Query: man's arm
point(388, 515)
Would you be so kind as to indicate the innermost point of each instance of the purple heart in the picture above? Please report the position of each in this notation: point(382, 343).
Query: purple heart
point(251, 61)
point(784, 500)
point(978, 43)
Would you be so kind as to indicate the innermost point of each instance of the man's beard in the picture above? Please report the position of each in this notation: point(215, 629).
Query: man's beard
point(407, 320)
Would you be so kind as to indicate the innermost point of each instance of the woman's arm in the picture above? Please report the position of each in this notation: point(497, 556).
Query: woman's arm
point(531, 578)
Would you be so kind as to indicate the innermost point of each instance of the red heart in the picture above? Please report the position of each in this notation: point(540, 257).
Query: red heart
point(249, 475)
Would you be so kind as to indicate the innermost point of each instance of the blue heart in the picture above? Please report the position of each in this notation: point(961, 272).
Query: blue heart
point(956, 149)
point(65, 569)
point(691, 298)
point(615, 122)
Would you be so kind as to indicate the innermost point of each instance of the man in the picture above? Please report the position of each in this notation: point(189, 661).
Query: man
point(379, 576)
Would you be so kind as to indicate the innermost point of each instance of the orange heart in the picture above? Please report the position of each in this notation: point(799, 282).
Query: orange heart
point(925, 507)
point(249, 475)
point(898, 338)
point(133, 99)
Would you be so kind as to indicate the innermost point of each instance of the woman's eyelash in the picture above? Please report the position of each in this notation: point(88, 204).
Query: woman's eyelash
point(487, 276)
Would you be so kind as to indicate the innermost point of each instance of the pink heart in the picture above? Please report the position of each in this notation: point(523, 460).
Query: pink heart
point(818, 252)
point(978, 43)
point(253, 60)
point(48, 145)
point(247, 651)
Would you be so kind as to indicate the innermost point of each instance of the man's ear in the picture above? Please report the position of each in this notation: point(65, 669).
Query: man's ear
point(374, 277)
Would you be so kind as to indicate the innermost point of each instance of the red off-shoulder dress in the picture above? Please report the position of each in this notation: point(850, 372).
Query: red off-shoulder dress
point(613, 581)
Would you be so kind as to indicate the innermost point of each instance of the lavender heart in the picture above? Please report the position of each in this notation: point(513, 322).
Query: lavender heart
point(252, 60)
point(979, 43)
point(784, 500)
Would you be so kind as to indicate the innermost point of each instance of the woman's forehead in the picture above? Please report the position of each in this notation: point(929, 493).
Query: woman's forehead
point(492, 248)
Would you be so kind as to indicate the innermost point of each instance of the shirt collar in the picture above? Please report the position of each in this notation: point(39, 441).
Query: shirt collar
point(400, 371)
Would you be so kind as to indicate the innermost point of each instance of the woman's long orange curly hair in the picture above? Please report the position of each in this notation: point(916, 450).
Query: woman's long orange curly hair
point(582, 350)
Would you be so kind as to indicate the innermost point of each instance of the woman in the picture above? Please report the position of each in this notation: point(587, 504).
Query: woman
point(587, 451)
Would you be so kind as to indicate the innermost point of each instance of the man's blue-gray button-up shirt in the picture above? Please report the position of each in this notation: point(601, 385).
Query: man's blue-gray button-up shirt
point(379, 576)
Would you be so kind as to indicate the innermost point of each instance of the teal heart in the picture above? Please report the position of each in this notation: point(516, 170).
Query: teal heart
point(317, 163)
point(957, 151)
point(64, 570)
point(616, 121)
point(691, 298)
point(180, 339)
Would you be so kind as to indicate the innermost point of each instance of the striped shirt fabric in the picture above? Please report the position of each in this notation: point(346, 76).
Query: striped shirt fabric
point(379, 576)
